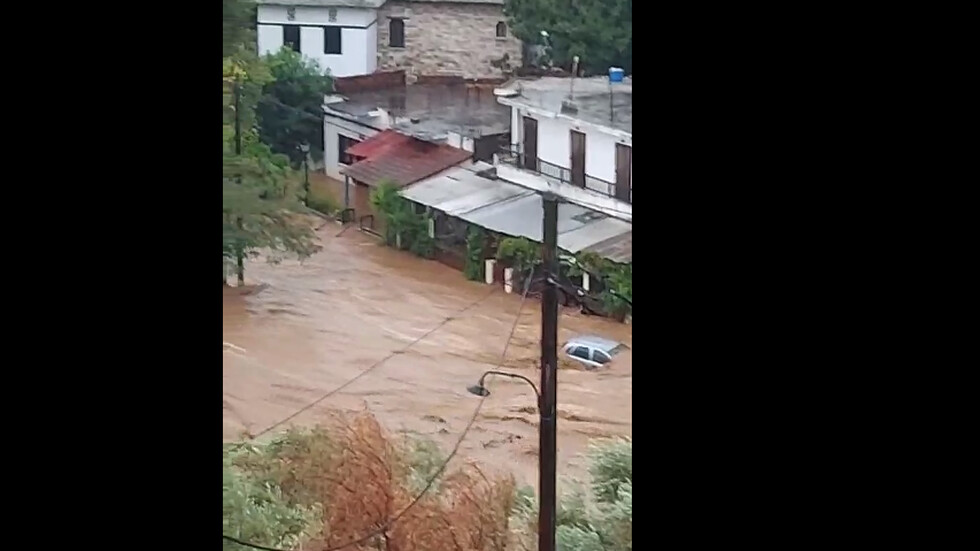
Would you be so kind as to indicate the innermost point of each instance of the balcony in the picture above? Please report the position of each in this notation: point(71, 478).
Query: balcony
point(561, 175)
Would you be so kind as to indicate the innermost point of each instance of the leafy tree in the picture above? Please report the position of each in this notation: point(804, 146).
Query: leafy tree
point(290, 112)
point(600, 32)
point(237, 25)
point(261, 199)
point(261, 206)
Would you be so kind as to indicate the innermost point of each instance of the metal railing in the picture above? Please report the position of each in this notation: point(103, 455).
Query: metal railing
point(558, 174)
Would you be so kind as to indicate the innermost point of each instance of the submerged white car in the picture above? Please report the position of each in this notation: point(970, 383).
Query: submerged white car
point(591, 350)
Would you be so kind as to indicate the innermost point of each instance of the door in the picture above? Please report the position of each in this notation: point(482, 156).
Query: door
point(530, 160)
point(578, 159)
point(624, 173)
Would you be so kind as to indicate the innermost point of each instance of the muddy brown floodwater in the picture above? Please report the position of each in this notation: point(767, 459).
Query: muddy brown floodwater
point(299, 330)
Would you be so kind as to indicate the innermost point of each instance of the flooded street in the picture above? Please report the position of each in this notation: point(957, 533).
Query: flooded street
point(299, 331)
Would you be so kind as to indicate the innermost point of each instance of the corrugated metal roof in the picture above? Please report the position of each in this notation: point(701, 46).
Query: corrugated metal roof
point(404, 162)
point(513, 210)
point(618, 248)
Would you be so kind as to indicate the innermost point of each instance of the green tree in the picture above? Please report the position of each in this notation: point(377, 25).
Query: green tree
point(237, 25)
point(261, 197)
point(262, 208)
point(290, 112)
point(600, 32)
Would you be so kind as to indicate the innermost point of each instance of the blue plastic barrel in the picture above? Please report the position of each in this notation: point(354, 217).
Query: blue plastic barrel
point(615, 74)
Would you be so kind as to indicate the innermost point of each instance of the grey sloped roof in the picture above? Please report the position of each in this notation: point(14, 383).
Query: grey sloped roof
point(513, 210)
point(371, 4)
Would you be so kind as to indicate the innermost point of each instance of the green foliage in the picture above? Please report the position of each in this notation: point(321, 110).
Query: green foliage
point(423, 459)
point(611, 467)
point(475, 265)
point(237, 25)
point(290, 112)
point(618, 283)
point(600, 32)
point(601, 520)
point(615, 281)
point(257, 511)
point(261, 199)
point(261, 206)
point(518, 253)
point(322, 203)
point(401, 220)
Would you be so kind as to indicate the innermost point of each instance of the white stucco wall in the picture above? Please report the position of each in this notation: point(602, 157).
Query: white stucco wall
point(358, 36)
point(332, 129)
point(555, 143)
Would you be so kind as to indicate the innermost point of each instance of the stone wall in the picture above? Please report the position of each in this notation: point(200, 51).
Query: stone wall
point(448, 38)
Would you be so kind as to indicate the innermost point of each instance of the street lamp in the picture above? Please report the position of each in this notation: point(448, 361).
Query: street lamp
point(481, 390)
point(305, 148)
point(546, 462)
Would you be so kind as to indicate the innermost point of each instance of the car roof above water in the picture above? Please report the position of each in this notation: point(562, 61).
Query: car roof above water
point(594, 341)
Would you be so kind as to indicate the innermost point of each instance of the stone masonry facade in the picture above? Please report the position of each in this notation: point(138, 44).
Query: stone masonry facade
point(448, 38)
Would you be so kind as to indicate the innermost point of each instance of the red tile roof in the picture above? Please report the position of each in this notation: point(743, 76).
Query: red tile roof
point(403, 159)
point(378, 143)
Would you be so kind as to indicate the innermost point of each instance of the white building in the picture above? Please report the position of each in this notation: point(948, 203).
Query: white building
point(341, 35)
point(573, 137)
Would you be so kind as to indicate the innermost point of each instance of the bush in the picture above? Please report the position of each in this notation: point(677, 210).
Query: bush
point(599, 520)
point(518, 253)
point(401, 222)
point(475, 265)
point(321, 203)
point(327, 487)
point(259, 511)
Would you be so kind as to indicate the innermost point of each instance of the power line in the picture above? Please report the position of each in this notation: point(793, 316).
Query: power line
point(442, 468)
point(372, 367)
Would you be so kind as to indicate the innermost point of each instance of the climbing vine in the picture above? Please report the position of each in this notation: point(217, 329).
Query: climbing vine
point(520, 254)
point(474, 266)
point(404, 229)
point(615, 282)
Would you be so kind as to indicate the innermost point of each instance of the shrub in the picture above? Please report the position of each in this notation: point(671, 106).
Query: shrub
point(475, 265)
point(401, 222)
point(518, 253)
point(599, 520)
point(329, 486)
point(322, 203)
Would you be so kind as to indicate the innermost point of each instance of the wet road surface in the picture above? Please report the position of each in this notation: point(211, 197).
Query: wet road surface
point(300, 330)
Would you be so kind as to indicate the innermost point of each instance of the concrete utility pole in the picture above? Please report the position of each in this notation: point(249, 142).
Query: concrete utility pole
point(548, 432)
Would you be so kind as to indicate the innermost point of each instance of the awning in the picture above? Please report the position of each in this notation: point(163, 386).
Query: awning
point(513, 210)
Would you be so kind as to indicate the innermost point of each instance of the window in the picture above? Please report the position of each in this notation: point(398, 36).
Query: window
point(601, 357)
point(396, 33)
point(343, 144)
point(331, 40)
point(501, 30)
point(579, 352)
point(290, 37)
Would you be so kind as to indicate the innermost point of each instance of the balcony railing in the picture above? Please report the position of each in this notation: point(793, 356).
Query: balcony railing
point(559, 174)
